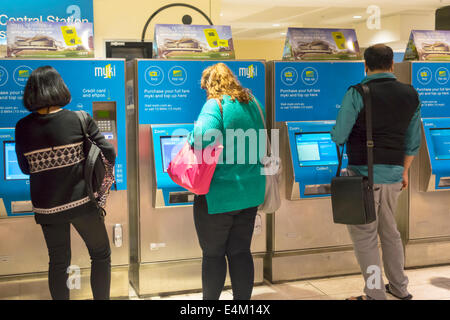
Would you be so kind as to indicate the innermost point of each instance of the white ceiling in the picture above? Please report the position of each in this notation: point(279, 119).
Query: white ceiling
point(268, 19)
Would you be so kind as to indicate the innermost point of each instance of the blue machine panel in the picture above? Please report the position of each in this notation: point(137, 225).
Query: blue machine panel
point(14, 185)
point(167, 141)
point(96, 86)
point(314, 154)
point(170, 92)
point(92, 83)
point(431, 80)
point(306, 91)
point(437, 135)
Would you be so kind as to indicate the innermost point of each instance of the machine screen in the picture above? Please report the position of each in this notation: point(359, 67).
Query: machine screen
point(12, 169)
point(441, 143)
point(316, 149)
point(170, 146)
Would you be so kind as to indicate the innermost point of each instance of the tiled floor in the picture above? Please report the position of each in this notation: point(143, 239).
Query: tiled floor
point(424, 284)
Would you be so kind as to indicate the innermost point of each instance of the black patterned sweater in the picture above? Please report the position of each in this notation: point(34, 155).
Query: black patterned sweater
point(50, 149)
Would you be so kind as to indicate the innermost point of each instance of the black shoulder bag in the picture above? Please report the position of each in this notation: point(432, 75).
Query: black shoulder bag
point(94, 167)
point(352, 197)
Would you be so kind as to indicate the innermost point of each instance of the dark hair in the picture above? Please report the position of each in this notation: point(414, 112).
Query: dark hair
point(45, 88)
point(379, 57)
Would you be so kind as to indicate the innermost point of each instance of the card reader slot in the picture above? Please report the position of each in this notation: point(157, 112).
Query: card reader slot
point(317, 189)
point(444, 182)
point(21, 207)
point(181, 197)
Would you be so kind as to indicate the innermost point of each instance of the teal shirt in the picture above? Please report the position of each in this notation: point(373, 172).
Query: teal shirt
point(237, 182)
point(350, 108)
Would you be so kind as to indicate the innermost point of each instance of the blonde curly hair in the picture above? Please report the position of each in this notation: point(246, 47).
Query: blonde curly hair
point(219, 80)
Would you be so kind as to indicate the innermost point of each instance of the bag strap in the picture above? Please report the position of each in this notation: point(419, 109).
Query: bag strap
point(268, 146)
point(370, 145)
point(83, 121)
point(340, 156)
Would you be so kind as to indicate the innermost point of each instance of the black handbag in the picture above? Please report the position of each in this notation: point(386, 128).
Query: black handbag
point(94, 167)
point(352, 197)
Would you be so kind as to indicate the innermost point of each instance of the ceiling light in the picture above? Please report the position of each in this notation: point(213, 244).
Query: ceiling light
point(357, 17)
point(276, 25)
point(221, 14)
point(283, 33)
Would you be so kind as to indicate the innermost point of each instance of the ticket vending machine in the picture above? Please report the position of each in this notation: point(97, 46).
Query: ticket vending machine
point(302, 238)
point(427, 228)
point(165, 253)
point(97, 87)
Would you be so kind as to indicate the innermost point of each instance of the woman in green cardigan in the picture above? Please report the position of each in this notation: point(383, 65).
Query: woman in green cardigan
point(225, 217)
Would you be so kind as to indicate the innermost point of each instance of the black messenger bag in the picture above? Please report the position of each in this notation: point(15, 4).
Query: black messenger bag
point(352, 197)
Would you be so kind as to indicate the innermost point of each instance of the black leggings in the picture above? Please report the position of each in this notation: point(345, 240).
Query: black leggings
point(91, 228)
point(227, 234)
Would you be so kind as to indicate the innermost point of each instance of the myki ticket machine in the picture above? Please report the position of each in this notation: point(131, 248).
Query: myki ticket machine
point(165, 253)
point(304, 242)
point(428, 225)
point(97, 87)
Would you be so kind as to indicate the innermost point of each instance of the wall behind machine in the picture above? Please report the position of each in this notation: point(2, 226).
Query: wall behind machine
point(125, 20)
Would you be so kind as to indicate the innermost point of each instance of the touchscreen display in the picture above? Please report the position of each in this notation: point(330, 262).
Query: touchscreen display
point(316, 149)
point(12, 169)
point(170, 146)
point(441, 143)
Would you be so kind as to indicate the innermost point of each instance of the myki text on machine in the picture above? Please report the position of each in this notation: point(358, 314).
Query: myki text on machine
point(97, 87)
point(427, 226)
point(169, 100)
point(302, 235)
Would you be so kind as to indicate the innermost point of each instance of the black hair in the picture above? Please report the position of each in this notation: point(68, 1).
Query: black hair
point(379, 57)
point(45, 88)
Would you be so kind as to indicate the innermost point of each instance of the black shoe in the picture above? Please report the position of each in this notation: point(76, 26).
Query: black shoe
point(408, 297)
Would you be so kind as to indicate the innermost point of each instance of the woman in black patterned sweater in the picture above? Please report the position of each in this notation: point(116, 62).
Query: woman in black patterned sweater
point(49, 147)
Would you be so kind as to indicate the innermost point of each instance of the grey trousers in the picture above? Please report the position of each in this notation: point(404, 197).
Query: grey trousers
point(365, 241)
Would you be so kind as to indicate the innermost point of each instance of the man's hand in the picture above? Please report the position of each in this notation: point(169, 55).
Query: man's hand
point(407, 163)
point(405, 180)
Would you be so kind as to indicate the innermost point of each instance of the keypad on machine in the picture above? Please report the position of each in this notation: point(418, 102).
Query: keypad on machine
point(104, 125)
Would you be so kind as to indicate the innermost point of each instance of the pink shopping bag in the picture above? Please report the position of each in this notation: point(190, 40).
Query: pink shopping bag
point(193, 169)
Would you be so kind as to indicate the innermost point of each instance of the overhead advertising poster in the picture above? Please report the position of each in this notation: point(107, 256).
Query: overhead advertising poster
point(50, 39)
point(431, 80)
point(169, 91)
point(321, 44)
point(67, 11)
point(96, 86)
point(430, 45)
point(312, 90)
point(180, 41)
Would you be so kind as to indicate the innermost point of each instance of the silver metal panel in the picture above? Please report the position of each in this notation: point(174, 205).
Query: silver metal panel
point(35, 286)
point(23, 249)
point(429, 252)
point(180, 276)
point(311, 264)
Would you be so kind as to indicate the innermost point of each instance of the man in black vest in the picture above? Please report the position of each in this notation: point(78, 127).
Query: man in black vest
point(396, 135)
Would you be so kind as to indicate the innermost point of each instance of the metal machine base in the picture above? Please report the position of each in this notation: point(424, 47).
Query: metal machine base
point(34, 286)
point(427, 252)
point(183, 276)
point(307, 264)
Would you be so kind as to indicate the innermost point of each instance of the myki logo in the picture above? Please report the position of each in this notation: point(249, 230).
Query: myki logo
point(250, 72)
point(107, 72)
